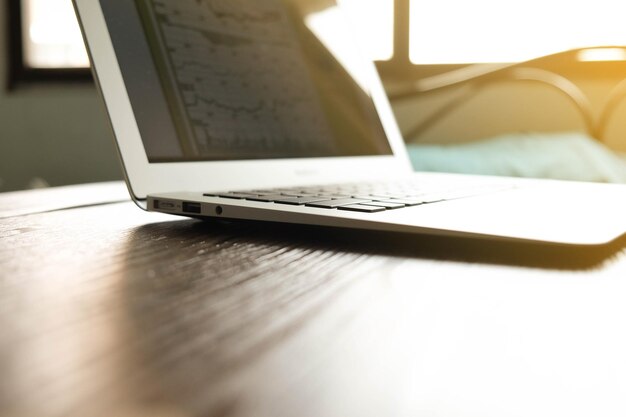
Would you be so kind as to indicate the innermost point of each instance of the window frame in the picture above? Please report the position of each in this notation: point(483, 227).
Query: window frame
point(18, 72)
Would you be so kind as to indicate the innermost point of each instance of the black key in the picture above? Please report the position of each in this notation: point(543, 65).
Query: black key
point(334, 196)
point(296, 194)
point(389, 206)
point(362, 208)
point(336, 203)
point(262, 192)
point(238, 196)
point(266, 198)
point(297, 201)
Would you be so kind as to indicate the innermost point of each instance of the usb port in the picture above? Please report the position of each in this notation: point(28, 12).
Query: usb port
point(164, 205)
point(194, 208)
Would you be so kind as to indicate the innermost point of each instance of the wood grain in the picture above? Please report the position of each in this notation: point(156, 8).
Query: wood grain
point(108, 310)
point(19, 203)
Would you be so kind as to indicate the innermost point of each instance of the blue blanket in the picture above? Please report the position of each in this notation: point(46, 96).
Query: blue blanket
point(567, 156)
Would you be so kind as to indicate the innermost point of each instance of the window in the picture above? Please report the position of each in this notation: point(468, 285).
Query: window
point(373, 19)
point(51, 35)
point(461, 31)
point(406, 37)
point(45, 42)
point(435, 36)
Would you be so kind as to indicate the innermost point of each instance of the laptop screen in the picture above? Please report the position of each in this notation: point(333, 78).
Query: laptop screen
point(244, 79)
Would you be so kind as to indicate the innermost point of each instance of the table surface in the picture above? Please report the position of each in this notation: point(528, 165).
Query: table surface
point(107, 310)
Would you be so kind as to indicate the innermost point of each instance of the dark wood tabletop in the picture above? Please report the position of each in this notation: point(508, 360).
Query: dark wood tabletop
point(107, 310)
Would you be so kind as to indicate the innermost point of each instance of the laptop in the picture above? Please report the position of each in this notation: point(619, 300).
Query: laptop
point(265, 110)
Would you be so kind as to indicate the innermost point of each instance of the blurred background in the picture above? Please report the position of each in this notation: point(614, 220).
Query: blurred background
point(563, 98)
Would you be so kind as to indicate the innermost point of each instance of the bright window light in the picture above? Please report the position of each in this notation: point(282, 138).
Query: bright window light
point(51, 35)
point(373, 21)
point(461, 31)
point(604, 54)
point(328, 26)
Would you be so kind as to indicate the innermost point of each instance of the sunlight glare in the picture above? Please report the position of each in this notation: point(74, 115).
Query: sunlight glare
point(373, 21)
point(52, 37)
point(458, 31)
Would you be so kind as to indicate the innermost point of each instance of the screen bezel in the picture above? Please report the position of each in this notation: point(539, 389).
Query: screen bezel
point(145, 178)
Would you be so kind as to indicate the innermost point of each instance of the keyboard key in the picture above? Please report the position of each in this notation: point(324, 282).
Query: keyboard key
point(362, 208)
point(389, 206)
point(367, 197)
point(363, 197)
point(298, 201)
point(261, 192)
point(268, 198)
point(336, 203)
point(294, 194)
point(406, 202)
point(388, 195)
point(334, 196)
point(237, 195)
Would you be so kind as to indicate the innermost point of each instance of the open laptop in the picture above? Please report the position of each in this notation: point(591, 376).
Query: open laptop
point(264, 110)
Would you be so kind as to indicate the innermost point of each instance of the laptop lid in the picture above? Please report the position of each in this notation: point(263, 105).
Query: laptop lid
point(213, 95)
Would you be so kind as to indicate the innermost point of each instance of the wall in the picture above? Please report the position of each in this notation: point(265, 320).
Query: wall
point(56, 133)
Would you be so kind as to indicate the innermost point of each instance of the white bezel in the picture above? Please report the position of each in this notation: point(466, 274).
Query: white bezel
point(145, 178)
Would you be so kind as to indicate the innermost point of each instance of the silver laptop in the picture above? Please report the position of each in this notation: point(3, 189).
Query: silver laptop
point(264, 110)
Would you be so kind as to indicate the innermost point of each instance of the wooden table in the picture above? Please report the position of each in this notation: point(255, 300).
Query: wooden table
point(107, 310)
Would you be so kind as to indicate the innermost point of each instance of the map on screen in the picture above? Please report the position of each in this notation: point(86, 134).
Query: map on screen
point(235, 78)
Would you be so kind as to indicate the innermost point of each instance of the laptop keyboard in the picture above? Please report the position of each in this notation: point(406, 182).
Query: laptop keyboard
point(359, 197)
